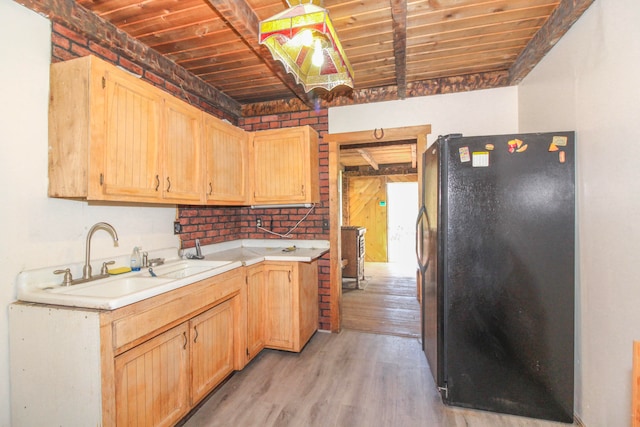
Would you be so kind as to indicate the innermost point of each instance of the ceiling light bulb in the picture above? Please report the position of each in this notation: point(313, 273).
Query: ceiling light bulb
point(306, 38)
point(317, 58)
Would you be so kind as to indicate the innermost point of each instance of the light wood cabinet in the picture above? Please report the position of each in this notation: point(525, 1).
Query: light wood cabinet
point(182, 154)
point(211, 345)
point(291, 301)
point(114, 137)
point(226, 177)
point(285, 166)
point(152, 381)
point(255, 310)
point(104, 129)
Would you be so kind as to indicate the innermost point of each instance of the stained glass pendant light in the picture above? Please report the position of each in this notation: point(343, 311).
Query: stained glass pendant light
point(304, 40)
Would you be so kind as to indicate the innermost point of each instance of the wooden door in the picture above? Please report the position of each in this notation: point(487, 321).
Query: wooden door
point(151, 381)
point(211, 336)
point(368, 208)
point(279, 296)
point(126, 153)
point(226, 162)
point(255, 310)
point(182, 157)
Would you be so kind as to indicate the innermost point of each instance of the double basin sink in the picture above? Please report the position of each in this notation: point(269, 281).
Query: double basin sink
point(119, 290)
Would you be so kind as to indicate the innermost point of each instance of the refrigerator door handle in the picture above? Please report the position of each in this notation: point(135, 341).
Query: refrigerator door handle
point(419, 236)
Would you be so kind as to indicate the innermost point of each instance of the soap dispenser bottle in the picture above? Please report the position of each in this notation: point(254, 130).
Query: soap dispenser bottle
point(136, 259)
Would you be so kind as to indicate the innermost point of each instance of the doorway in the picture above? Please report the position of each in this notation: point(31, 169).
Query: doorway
point(335, 142)
point(402, 211)
point(385, 300)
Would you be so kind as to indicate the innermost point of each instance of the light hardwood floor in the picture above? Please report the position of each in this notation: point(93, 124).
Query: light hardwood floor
point(386, 305)
point(350, 379)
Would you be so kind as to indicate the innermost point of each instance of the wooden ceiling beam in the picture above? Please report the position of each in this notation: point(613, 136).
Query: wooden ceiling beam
point(565, 15)
point(399, 18)
point(367, 157)
point(242, 18)
point(435, 86)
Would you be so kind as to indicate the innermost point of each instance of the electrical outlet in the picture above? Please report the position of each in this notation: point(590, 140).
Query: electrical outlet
point(259, 222)
point(177, 227)
point(325, 224)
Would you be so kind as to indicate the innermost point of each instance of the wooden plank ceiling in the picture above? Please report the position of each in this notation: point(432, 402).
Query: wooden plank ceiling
point(397, 48)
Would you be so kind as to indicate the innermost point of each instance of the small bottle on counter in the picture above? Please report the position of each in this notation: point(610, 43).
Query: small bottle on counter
point(136, 260)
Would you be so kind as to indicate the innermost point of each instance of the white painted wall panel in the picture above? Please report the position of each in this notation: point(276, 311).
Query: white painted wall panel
point(482, 112)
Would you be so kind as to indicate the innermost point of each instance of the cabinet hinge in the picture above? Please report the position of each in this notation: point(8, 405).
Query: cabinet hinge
point(104, 82)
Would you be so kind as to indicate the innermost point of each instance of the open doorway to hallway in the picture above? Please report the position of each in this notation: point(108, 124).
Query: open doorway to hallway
point(385, 302)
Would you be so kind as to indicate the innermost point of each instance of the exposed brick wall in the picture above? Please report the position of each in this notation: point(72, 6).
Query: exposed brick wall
point(221, 224)
point(67, 44)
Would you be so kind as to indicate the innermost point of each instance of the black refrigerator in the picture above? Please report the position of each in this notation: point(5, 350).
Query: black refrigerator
point(495, 246)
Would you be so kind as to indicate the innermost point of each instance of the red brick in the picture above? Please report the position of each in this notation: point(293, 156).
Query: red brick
point(80, 50)
point(261, 126)
point(62, 55)
point(58, 40)
point(103, 52)
point(128, 65)
point(70, 34)
point(290, 123)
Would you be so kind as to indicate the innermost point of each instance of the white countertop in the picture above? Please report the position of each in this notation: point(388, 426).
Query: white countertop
point(252, 251)
point(42, 286)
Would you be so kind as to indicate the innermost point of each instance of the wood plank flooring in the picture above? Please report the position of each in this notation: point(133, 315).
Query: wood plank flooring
point(386, 305)
point(352, 379)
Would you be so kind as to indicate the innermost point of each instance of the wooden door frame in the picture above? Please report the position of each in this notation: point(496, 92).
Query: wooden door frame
point(335, 141)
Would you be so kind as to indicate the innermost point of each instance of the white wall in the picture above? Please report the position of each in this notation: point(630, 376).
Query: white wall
point(481, 112)
point(589, 83)
point(38, 231)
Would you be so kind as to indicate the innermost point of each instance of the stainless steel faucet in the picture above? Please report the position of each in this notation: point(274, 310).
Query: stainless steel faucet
point(198, 254)
point(86, 270)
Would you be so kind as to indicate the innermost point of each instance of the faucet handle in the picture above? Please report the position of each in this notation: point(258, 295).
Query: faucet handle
point(67, 279)
point(105, 270)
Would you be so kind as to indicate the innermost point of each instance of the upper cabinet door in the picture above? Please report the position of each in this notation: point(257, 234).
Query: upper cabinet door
point(182, 158)
point(128, 160)
point(285, 164)
point(226, 162)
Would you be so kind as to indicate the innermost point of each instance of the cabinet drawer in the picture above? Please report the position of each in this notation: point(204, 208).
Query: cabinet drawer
point(177, 305)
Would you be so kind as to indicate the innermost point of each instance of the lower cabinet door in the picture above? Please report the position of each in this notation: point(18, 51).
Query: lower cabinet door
point(152, 381)
point(255, 310)
point(211, 335)
point(280, 294)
